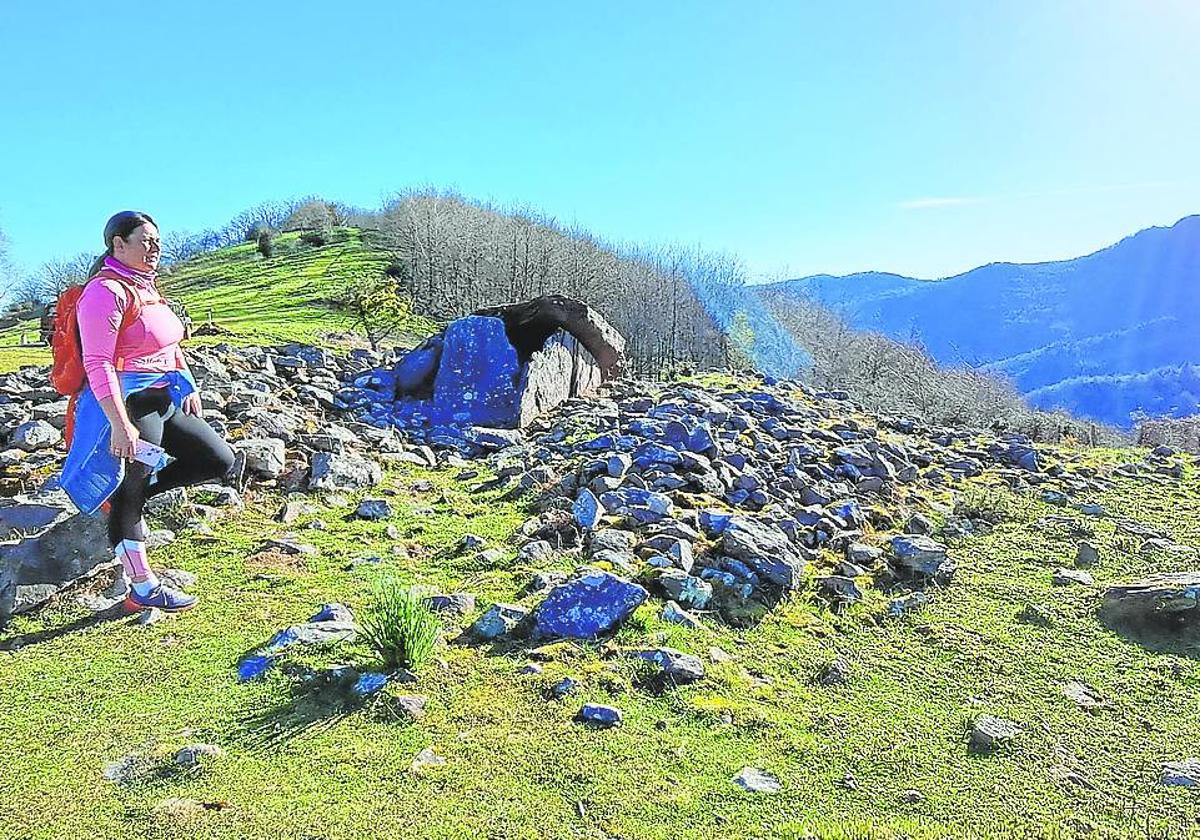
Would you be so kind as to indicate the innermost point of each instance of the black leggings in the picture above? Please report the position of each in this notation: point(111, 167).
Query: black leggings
point(198, 451)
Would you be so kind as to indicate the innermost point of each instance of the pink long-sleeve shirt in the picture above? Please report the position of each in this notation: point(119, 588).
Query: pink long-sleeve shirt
point(151, 343)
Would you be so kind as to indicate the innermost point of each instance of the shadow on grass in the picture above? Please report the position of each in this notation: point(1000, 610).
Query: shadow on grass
point(1173, 636)
point(114, 613)
point(307, 714)
point(320, 700)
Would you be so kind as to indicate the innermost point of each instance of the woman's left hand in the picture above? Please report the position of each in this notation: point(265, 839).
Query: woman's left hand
point(191, 404)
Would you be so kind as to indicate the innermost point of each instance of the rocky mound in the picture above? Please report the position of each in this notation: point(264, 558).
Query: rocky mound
point(716, 498)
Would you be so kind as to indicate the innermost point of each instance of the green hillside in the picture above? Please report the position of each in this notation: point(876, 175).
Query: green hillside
point(882, 756)
point(286, 297)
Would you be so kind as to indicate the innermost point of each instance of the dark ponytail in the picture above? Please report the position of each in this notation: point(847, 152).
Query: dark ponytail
point(122, 225)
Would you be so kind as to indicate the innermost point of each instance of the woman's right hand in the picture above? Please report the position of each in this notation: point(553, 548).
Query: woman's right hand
point(123, 442)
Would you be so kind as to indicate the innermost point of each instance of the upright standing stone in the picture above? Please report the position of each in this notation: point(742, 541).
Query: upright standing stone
point(476, 382)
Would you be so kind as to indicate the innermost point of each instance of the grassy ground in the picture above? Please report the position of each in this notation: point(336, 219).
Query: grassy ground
point(13, 354)
point(518, 767)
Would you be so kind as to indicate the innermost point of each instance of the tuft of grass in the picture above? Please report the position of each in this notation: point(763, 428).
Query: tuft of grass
point(399, 625)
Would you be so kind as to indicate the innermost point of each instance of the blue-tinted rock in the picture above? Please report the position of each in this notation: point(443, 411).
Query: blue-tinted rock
point(457, 603)
point(1055, 497)
point(355, 398)
point(701, 439)
point(679, 666)
point(620, 500)
point(650, 454)
point(599, 715)
point(1181, 773)
point(617, 465)
point(737, 567)
point(476, 382)
point(587, 509)
point(809, 516)
point(849, 512)
point(646, 428)
point(312, 633)
point(333, 612)
point(1025, 457)
point(747, 481)
point(686, 589)
point(790, 527)
point(27, 518)
point(369, 683)
point(713, 522)
point(848, 471)
point(680, 551)
point(645, 515)
point(856, 455)
point(765, 549)
point(810, 496)
point(492, 440)
point(803, 453)
point(564, 687)
point(499, 620)
point(418, 366)
point(840, 589)
point(907, 603)
point(253, 667)
point(921, 555)
point(590, 603)
point(373, 509)
point(724, 580)
point(623, 443)
point(675, 614)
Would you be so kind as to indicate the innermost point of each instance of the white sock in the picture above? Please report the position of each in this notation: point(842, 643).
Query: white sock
point(136, 566)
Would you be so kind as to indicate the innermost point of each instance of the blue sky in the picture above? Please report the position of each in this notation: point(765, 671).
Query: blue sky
point(920, 137)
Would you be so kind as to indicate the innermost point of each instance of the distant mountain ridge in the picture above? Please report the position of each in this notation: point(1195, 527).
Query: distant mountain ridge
point(1106, 335)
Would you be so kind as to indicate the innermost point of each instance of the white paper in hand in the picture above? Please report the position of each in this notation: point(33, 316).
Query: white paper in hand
point(148, 453)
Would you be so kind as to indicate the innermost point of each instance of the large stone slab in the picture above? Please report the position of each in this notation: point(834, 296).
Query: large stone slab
point(560, 370)
point(532, 322)
point(921, 555)
point(476, 382)
point(63, 548)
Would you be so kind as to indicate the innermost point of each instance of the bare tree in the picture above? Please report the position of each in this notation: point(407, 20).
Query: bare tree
point(45, 285)
point(8, 279)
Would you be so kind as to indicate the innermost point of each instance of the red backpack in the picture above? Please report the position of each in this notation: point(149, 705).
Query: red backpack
point(67, 374)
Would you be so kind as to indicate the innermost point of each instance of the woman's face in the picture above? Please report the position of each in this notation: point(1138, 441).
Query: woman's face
point(141, 250)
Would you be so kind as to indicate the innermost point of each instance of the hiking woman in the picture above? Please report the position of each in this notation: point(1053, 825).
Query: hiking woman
point(138, 388)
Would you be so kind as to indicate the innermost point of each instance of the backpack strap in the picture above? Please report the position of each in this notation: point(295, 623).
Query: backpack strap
point(133, 308)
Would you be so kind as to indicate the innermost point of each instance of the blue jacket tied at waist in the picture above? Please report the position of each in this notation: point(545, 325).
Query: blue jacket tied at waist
point(92, 473)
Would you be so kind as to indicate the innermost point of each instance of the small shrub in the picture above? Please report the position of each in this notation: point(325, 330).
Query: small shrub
point(316, 238)
point(255, 232)
point(398, 271)
point(399, 625)
point(265, 244)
